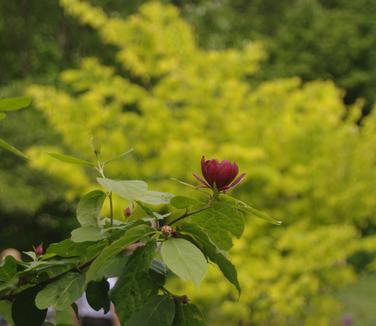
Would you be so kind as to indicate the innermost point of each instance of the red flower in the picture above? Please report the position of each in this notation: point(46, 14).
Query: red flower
point(39, 251)
point(219, 175)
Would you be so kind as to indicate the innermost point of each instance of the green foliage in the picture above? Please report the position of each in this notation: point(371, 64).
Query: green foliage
point(97, 295)
point(62, 293)
point(135, 286)
point(126, 249)
point(312, 39)
point(157, 311)
point(184, 259)
point(307, 159)
point(201, 239)
point(70, 159)
point(220, 228)
point(24, 310)
point(12, 104)
point(89, 208)
point(187, 315)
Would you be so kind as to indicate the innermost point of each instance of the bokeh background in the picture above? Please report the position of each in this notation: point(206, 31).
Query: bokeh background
point(286, 88)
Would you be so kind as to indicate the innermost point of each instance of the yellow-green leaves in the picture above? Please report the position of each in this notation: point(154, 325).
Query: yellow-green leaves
point(71, 159)
point(14, 103)
point(184, 259)
point(5, 145)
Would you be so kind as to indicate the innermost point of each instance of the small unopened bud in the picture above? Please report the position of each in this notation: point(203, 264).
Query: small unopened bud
point(128, 211)
point(184, 299)
point(96, 145)
point(39, 251)
point(168, 231)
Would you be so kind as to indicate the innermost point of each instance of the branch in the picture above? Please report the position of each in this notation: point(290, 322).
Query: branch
point(190, 213)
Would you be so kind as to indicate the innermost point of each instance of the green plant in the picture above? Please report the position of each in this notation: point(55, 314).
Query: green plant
point(308, 161)
point(181, 237)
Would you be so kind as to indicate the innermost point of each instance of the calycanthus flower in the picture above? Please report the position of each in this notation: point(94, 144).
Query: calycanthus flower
point(220, 176)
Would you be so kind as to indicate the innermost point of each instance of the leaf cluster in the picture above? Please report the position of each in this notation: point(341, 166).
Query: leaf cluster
point(135, 251)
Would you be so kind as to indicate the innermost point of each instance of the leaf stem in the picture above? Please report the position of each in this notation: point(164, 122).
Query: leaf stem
point(100, 169)
point(111, 209)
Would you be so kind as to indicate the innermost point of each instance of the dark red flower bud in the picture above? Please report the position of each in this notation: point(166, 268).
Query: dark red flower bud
point(128, 211)
point(39, 251)
point(219, 175)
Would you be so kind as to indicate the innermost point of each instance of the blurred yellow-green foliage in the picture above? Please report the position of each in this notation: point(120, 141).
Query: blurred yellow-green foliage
point(308, 161)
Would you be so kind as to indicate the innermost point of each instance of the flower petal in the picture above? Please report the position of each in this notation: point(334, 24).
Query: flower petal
point(237, 181)
point(201, 180)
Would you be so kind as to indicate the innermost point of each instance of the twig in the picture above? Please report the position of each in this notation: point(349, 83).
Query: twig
point(186, 214)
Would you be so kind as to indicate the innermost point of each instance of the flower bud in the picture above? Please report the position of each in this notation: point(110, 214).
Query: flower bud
point(220, 176)
point(168, 231)
point(39, 251)
point(128, 211)
point(184, 299)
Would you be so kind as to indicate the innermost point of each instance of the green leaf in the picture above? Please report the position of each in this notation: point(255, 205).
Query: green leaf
point(181, 202)
point(135, 190)
point(212, 252)
point(130, 236)
point(14, 103)
point(156, 197)
point(6, 311)
point(24, 310)
point(135, 286)
point(87, 233)
point(120, 157)
point(8, 268)
point(97, 295)
point(128, 189)
point(157, 311)
point(12, 149)
point(184, 259)
point(220, 222)
point(2, 116)
point(67, 248)
point(114, 267)
point(187, 315)
point(71, 159)
point(249, 209)
point(61, 293)
point(246, 208)
point(89, 208)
